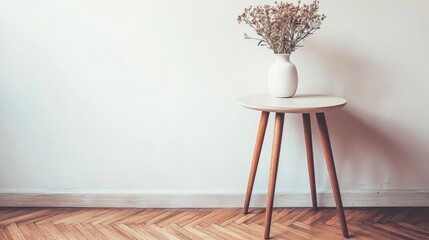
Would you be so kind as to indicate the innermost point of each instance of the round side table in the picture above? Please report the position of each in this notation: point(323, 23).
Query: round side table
point(306, 105)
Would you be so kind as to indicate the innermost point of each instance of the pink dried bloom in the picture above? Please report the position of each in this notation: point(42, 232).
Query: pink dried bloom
point(283, 26)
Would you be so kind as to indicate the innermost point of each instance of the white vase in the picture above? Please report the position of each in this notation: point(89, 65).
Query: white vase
point(282, 77)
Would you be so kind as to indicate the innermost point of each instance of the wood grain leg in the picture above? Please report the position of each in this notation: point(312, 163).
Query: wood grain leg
point(310, 162)
point(278, 132)
point(324, 134)
point(256, 154)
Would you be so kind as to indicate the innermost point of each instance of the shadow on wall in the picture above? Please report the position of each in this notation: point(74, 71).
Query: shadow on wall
point(354, 76)
point(373, 151)
point(370, 153)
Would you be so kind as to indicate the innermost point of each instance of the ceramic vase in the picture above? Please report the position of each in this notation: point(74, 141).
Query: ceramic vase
point(282, 77)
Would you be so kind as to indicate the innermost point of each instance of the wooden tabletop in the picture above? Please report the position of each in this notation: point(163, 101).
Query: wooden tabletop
point(301, 103)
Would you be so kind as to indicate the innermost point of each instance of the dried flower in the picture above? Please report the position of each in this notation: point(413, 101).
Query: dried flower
point(283, 26)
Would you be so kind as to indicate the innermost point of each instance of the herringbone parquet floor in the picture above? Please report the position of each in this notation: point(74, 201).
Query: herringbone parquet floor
point(288, 223)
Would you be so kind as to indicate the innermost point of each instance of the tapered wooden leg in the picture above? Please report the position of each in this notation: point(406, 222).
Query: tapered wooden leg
point(310, 163)
point(331, 170)
point(256, 154)
point(278, 132)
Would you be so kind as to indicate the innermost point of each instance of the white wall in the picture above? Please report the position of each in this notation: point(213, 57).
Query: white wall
point(140, 96)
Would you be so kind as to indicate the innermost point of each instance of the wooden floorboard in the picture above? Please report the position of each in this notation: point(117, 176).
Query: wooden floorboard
point(288, 223)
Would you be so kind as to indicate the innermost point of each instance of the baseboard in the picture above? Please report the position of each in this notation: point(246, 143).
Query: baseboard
point(391, 198)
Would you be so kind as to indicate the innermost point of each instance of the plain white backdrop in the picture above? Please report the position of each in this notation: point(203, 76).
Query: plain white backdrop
point(140, 97)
